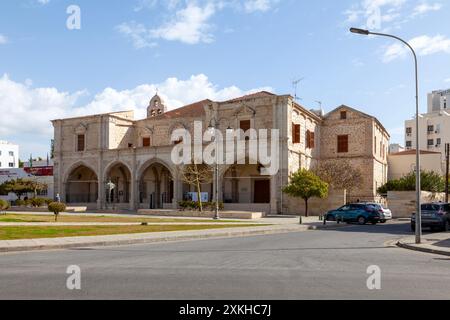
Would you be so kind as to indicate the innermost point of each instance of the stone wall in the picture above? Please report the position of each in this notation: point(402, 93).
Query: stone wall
point(403, 203)
point(316, 207)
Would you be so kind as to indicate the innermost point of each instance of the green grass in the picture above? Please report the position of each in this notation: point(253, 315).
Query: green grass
point(24, 232)
point(84, 218)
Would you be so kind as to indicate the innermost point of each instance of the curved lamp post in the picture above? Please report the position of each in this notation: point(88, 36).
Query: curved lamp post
point(418, 184)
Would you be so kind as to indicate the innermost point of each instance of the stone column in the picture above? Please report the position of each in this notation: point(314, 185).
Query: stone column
point(273, 195)
point(134, 187)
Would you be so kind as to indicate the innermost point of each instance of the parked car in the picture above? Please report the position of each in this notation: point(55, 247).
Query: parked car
point(385, 213)
point(361, 213)
point(434, 216)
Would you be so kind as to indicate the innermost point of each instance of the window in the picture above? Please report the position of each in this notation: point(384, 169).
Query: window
point(343, 115)
point(11, 165)
point(295, 133)
point(408, 144)
point(430, 129)
point(438, 141)
point(80, 142)
point(245, 125)
point(11, 153)
point(342, 142)
point(375, 145)
point(310, 139)
point(408, 131)
point(146, 142)
point(430, 142)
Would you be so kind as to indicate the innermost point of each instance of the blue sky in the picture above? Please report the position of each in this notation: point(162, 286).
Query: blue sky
point(215, 49)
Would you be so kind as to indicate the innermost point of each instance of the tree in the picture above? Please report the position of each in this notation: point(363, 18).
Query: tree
point(22, 186)
point(340, 174)
point(4, 205)
point(196, 175)
point(305, 184)
point(56, 208)
point(430, 181)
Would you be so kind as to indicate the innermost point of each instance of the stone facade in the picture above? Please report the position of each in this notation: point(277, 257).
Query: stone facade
point(135, 155)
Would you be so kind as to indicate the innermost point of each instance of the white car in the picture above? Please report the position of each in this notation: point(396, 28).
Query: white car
point(385, 213)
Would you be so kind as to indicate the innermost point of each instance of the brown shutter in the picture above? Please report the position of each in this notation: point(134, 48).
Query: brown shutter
point(245, 125)
point(80, 142)
point(312, 140)
point(296, 133)
point(343, 144)
point(146, 142)
point(308, 139)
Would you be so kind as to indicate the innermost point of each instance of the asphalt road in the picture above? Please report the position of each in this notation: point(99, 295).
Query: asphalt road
point(328, 264)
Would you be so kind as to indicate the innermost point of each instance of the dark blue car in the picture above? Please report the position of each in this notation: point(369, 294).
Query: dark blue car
point(358, 212)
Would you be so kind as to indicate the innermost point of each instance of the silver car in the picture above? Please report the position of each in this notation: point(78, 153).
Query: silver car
point(385, 213)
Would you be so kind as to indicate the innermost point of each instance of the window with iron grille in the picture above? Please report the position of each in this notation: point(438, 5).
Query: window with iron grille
point(342, 144)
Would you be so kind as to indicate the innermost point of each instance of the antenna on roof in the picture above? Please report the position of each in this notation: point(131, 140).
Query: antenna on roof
point(295, 84)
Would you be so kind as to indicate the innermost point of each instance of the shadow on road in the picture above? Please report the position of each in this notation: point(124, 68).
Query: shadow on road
point(393, 228)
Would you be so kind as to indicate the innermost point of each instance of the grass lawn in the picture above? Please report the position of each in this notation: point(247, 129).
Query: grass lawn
point(15, 233)
point(79, 218)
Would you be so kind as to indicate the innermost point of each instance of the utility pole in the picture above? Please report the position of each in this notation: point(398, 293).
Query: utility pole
point(447, 161)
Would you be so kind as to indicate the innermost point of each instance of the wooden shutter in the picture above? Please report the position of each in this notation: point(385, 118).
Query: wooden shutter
point(80, 142)
point(295, 133)
point(312, 140)
point(146, 142)
point(245, 125)
point(342, 144)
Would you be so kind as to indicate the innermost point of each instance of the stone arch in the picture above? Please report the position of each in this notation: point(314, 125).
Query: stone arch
point(119, 173)
point(156, 184)
point(244, 183)
point(81, 184)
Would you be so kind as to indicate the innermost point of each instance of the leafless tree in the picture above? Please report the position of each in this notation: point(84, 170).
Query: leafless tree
point(196, 175)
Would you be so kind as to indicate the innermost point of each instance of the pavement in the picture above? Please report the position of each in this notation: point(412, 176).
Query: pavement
point(436, 243)
point(278, 224)
point(323, 264)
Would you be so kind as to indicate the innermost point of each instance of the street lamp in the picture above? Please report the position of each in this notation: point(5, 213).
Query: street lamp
point(418, 184)
point(215, 127)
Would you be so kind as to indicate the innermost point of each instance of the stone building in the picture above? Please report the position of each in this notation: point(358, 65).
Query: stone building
point(135, 155)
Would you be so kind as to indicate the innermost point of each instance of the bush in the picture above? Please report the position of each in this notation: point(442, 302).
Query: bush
point(20, 203)
point(193, 205)
point(430, 181)
point(48, 201)
point(56, 208)
point(4, 205)
point(37, 202)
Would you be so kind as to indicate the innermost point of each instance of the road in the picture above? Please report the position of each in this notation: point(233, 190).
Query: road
point(328, 264)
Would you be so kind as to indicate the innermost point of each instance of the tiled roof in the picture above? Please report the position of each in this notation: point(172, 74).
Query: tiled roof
point(260, 94)
point(192, 110)
point(413, 152)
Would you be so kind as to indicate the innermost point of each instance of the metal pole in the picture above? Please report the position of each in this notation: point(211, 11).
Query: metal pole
point(418, 182)
point(447, 162)
point(216, 214)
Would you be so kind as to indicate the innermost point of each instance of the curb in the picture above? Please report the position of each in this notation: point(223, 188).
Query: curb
point(168, 238)
point(422, 249)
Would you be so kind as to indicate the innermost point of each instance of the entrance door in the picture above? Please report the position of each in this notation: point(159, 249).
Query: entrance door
point(262, 191)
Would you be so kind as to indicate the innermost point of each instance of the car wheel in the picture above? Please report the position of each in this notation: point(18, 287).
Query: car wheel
point(361, 220)
point(446, 226)
point(382, 221)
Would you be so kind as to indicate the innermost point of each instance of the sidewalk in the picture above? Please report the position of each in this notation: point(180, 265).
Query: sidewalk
point(128, 239)
point(437, 243)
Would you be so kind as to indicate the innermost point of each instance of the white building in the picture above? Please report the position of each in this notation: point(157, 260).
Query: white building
point(404, 162)
point(9, 155)
point(395, 148)
point(434, 126)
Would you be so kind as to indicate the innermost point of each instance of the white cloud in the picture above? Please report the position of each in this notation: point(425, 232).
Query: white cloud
point(426, 7)
point(189, 21)
point(27, 111)
point(373, 12)
point(43, 2)
point(258, 5)
point(423, 45)
point(190, 25)
point(3, 39)
point(447, 80)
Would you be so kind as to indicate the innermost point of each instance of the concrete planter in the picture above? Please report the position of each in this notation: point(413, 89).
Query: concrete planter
point(205, 214)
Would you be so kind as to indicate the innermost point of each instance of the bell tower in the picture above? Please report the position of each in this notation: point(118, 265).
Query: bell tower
point(156, 107)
